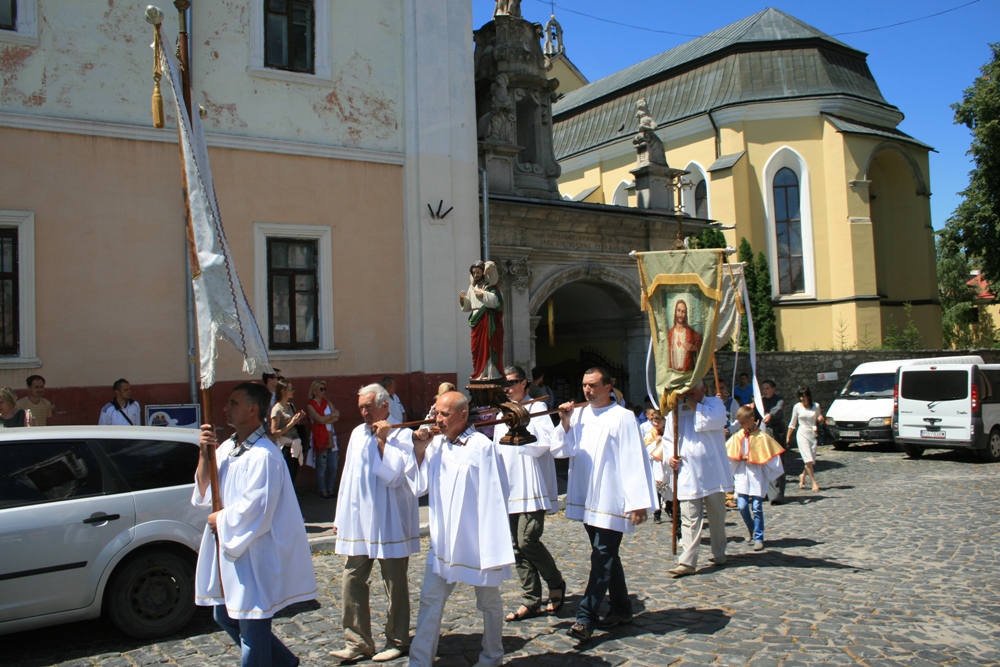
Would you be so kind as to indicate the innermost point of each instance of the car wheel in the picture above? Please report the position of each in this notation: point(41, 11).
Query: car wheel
point(992, 452)
point(151, 595)
point(840, 445)
point(913, 451)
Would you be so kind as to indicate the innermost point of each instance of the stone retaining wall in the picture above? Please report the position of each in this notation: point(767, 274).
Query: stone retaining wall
point(790, 370)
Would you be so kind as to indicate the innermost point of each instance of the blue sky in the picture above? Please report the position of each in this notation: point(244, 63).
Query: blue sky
point(921, 67)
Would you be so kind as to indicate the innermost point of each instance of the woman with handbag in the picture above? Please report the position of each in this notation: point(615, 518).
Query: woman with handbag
point(284, 419)
point(324, 442)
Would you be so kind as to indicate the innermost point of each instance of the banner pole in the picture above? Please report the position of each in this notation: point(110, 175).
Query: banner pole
point(675, 509)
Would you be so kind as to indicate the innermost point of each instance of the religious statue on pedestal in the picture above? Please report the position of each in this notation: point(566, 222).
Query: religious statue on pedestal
point(508, 8)
point(485, 303)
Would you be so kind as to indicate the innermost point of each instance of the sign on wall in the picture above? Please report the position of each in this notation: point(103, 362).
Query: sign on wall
point(180, 415)
point(826, 377)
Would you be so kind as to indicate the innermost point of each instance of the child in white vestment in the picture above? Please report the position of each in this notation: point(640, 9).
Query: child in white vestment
point(756, 461)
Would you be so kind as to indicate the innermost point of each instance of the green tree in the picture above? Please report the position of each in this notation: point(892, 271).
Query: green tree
point(976, 221)
point(906, 339)
point(962, 324)
point(745, 255)
point(710, 238)
point(764, 322)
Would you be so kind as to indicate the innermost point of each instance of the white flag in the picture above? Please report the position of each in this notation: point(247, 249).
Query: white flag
point(222, 308)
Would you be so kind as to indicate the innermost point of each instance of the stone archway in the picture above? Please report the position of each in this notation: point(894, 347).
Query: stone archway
point(596, 321)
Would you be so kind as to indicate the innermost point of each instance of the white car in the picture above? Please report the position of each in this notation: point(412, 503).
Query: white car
point(98, 519)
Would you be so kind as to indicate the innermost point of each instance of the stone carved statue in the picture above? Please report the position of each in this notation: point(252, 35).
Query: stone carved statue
point(648, 146)
point(484, 303)
point(498, 124)
point(508, 8)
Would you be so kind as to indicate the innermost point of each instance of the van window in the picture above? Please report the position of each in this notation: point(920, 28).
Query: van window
point(935, 385)
point(993, 378)
point(870, 385)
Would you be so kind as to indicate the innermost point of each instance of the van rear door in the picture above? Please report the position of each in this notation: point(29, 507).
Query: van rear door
point(935, 405)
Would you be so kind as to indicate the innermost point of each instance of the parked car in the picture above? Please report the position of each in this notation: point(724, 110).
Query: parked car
point(948, 406)
point(98, 519)
point(862, 412)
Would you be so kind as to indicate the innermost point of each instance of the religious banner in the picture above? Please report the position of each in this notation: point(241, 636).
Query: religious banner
point(682, 291)
point(731, 308)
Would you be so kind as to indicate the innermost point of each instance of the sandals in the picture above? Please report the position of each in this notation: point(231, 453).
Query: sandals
point(556, 603)
point(522, 613)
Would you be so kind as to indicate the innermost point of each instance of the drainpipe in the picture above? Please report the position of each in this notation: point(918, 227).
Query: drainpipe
point(484, 184)
point(718, 136)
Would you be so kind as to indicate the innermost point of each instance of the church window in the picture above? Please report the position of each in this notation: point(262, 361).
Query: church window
point(788, 232)
point(701, 199)
point(293, 291)
point(289, 35)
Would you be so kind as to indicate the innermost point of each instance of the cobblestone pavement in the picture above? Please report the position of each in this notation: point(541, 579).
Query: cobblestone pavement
point(894, 562)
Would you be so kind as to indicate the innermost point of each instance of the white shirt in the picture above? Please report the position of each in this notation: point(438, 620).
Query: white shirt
point(644, 429)
point(467, 497)
point(531, 469)
point(752, 479)
point(396, 412)
point(111, 416)
point(609, 474)
point(266, 563)
point(377, 513)
point(705, 469)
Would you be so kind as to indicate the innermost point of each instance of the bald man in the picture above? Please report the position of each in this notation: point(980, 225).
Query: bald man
point(461, 473)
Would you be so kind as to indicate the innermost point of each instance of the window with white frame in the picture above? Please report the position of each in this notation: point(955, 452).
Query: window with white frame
point(789, 225)
point(293, 294)
point(620, 196)
point(19, 21)
point(17, 290)
point(694, 197)
point(290, 40)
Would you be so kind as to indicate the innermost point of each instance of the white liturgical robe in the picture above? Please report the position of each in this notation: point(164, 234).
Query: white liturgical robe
point(705, 468)
point(609, 472)
point(467, 497)
point(531, 469)
point(266, 563)
point(377, 514)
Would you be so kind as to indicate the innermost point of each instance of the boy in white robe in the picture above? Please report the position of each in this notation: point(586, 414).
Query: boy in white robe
point(377, 519)
point(531, 473)
point(461, 473)
point(704, 475)
point(756, 462)
point(266, 564)
point(610, 490)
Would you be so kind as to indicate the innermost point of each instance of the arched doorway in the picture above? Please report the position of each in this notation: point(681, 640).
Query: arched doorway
point(594, 322)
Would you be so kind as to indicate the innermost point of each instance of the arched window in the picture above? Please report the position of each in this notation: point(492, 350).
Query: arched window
point(701, 199)
point(788, 232)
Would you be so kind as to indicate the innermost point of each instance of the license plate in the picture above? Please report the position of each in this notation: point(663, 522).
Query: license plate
point(850, 434)
point(933, 434)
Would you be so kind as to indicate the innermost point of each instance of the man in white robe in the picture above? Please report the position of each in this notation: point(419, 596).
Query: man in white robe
point(377, 519)
point(397, 413)
point(610, 490)
point(266, 564)
point(704, 475)
point(531, 473)
point(461, 473)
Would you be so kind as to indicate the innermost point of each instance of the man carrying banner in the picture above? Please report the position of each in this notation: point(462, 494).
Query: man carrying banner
point(704, 474)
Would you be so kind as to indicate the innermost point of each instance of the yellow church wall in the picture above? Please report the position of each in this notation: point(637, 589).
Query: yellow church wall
point(574, 182)
point(120, 200)
point(569, 80)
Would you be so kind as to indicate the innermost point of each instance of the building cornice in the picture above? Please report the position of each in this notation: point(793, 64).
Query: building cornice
point(169, 135)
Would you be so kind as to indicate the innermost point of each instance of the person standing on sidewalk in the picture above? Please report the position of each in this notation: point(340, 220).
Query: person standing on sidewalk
point(531, 472)
point(610, 490)
point(755, 458)
point(377, 520)
point(461, 473)
point(704, 475)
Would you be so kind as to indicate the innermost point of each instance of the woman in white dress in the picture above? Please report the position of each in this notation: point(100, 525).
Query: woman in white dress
point(805, 422)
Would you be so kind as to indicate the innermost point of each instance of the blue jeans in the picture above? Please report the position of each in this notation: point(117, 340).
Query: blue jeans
point(752, 509)
point(259, 646)
point(326, 471)
point(606, 576)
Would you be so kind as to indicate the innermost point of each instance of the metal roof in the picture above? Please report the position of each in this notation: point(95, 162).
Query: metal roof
point(856, 127)
point(766, 57)
point(769, 25)
point(726, 161)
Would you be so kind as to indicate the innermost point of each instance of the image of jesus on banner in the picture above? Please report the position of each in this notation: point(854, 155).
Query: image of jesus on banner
point(683, 342)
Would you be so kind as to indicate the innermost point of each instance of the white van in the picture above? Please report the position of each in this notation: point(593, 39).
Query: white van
point(948, 406)
point(862, 412)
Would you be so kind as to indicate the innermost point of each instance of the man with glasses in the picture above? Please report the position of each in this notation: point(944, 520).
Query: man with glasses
point(270, 381)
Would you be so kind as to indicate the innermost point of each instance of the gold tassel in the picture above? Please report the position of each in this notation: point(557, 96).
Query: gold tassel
point(157, 97)
point(552, 323)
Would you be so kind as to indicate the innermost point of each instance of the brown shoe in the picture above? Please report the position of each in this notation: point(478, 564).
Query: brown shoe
point(350, 655)
point(681, 570)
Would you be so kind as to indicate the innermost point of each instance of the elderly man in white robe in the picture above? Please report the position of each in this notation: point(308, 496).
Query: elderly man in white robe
point(266, 564)
point(704, 475)
point(461, 473)
point(531, 473)
point(610, 490)
point(377, 519)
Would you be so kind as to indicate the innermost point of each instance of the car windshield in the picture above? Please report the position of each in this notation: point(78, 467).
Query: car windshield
point(869, 385)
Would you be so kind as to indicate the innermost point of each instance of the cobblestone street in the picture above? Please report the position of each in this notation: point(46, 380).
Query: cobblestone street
point(894, 562)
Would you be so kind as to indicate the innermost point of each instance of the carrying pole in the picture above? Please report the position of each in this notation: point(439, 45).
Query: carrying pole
point(675, 513)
